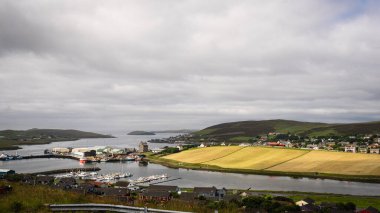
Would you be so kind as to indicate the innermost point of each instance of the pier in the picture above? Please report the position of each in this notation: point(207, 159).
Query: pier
point(59, 171)
point(105, 208)
point(165, 181)
point(50, 156)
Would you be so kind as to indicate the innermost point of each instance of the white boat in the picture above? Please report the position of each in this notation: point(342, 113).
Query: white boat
point(149, 178)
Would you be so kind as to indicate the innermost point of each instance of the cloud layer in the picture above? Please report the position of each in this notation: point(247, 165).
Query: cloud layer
point(104, 65)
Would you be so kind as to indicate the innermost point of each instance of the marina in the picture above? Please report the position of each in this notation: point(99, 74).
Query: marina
point(95, 176)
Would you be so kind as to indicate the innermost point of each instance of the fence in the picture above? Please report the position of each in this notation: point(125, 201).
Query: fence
point(106, 207)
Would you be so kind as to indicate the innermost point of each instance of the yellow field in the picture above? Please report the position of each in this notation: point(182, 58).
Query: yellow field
point(284, 160)
point(257, 158)
point(203, 154)
point(333, 162)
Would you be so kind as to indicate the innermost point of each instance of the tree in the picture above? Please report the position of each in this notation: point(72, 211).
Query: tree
point(253, 202)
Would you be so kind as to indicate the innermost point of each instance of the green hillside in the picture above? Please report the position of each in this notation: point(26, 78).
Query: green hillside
point(254, 128)
point(10, 139)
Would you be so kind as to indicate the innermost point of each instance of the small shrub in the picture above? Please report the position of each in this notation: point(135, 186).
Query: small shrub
point(16, 206)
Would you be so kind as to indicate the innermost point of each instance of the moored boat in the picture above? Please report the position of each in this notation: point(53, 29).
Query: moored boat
point(83, 160)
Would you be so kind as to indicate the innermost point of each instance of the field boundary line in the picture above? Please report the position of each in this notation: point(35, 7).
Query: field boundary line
point(224, 155)
point(288, 160)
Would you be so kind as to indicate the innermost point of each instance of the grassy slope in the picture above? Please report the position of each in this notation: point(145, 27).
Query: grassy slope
point(45, 195)
point(282, 160)
point(42, 195)
point(10, 139)
point(254, 128)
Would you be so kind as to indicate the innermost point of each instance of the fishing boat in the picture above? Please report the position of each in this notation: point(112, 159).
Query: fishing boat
point(130, 158)
point(6, 157)
point(83, 160)
point(125, 175)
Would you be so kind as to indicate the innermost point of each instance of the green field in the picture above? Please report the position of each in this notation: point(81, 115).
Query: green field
point(282, 160)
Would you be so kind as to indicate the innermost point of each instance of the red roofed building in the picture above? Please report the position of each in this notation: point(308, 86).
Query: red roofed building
point(275, 144)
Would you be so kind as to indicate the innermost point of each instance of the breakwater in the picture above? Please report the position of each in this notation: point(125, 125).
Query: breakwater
point(50, 156)
point(60, 171)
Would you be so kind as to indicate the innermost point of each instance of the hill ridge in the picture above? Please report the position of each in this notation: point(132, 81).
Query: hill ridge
point(252, 128)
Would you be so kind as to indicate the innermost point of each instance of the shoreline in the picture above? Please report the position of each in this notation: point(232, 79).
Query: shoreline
point(16, 145)
point(313, 175)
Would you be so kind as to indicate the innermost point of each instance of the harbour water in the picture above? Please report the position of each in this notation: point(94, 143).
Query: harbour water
point(189, 178)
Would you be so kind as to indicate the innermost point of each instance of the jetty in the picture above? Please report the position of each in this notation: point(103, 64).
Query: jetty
point(60, 171)
point(50, 156)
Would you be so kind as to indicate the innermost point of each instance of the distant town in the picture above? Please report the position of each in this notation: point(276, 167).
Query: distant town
point(369, 143)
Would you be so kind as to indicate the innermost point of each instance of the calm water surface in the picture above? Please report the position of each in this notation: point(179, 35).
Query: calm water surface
point(189, 178)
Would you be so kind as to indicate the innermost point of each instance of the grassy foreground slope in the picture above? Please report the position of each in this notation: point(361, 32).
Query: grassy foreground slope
point(282, 160)
point(255, 128)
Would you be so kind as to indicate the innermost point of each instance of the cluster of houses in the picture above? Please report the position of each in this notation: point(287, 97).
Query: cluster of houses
point(123, 191)
point(92, 151)
point(371, 149)
point(101, 153)
point(354, 147)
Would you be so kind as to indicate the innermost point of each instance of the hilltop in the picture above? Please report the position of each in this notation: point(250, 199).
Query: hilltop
point(10, 139)
point(256, 128)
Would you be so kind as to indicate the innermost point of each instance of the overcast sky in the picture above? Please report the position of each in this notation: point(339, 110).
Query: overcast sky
point(152, 65)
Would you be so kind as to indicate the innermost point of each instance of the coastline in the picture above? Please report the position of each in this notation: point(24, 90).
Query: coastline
point(9, 146)
point(314, 175)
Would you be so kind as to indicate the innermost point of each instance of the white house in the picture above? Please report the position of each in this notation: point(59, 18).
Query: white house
point(60, 150)
point(157, 150)
point(350, 149)
point(304, 202)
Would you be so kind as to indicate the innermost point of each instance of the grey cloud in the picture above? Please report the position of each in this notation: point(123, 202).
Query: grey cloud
point(165, 64)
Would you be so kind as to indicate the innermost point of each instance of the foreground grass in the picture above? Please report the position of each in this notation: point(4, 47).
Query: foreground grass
point(34, 198)
point(30, 198)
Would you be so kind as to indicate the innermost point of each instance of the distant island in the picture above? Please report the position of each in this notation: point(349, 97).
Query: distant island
point(176, 131)
point(11, 139)
point(141, 133)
